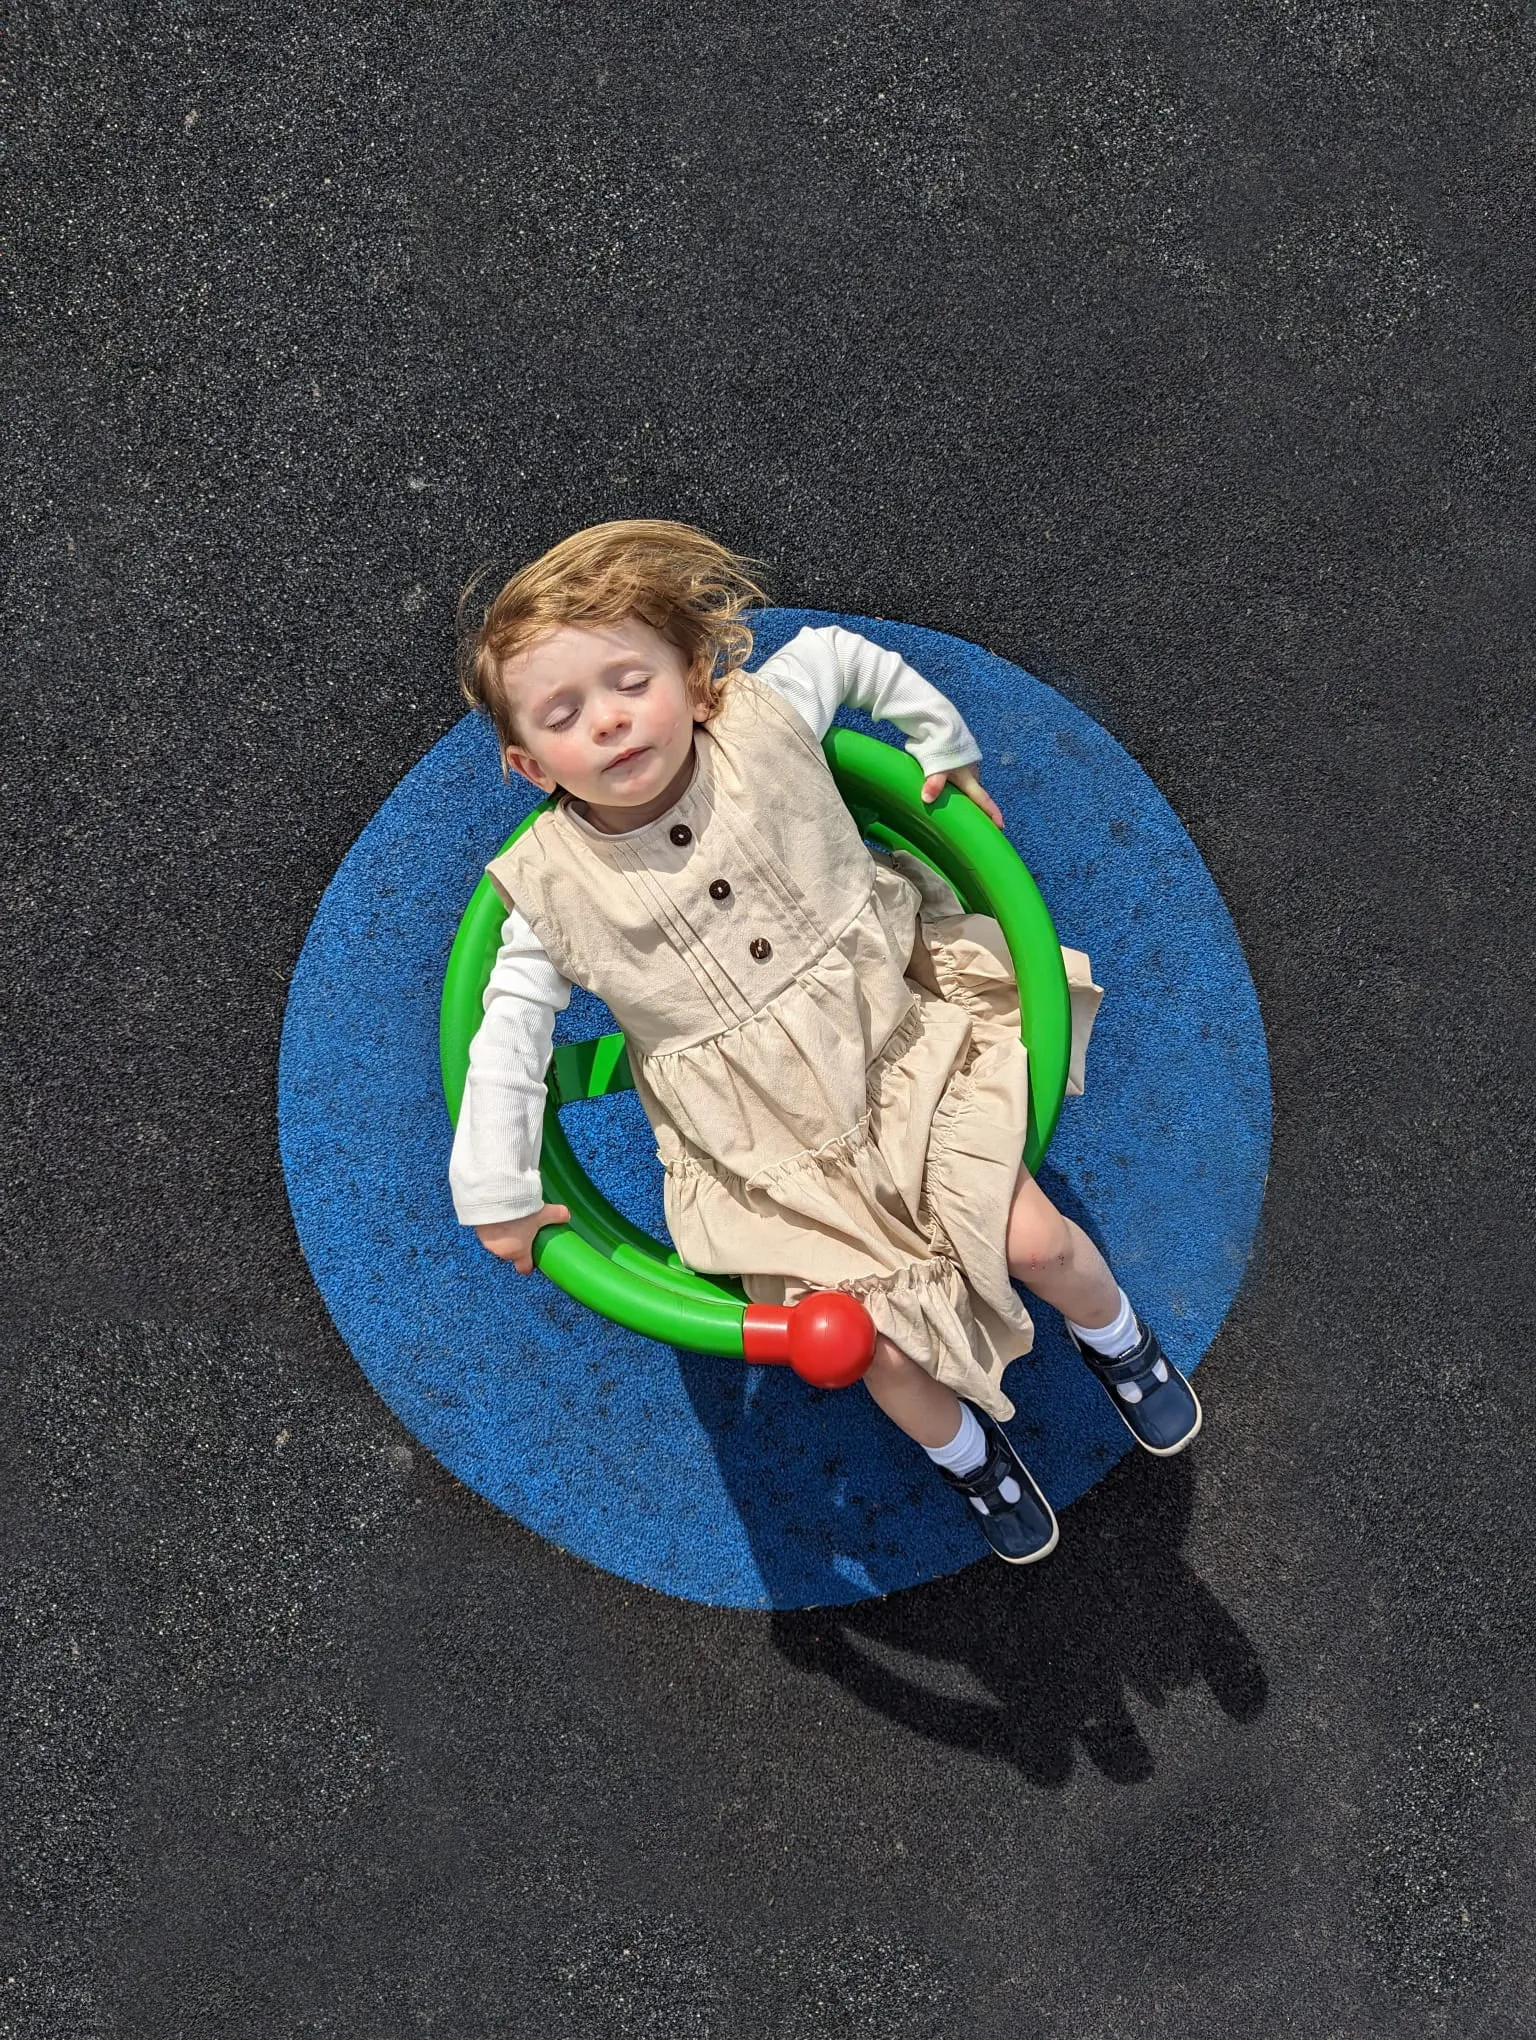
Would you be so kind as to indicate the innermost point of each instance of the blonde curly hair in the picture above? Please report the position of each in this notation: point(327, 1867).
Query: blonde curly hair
point(681, 582)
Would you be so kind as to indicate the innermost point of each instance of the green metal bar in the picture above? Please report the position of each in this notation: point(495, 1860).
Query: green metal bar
point(980, 861)
point(601, 1259)
point(591, 1069)
point(606, 1228)
point(630, 1298)
point(892, 839)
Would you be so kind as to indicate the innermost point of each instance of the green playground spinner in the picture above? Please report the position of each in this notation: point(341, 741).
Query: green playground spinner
point(604, 1261)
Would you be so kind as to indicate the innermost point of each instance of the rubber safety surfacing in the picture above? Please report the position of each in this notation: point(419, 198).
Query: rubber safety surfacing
point(692, 1474)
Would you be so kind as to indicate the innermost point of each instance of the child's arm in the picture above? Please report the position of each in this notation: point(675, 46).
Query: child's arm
point(826, 668)
point(494, 1168)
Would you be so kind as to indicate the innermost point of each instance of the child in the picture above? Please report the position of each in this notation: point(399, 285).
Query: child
point(827, 1048)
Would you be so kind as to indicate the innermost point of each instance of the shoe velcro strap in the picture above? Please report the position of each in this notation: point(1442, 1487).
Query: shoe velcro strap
point(987, 1480)
point(1135, 1366)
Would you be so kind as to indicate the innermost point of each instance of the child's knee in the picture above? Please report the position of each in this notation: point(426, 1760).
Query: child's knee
point(889, 1362)
point(1039, 1242)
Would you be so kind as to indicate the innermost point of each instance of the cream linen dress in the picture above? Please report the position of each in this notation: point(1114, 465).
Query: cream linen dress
point(824, 1121)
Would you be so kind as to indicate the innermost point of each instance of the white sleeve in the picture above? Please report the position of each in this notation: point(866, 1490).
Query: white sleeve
point(494, 1169)
point(825, 667)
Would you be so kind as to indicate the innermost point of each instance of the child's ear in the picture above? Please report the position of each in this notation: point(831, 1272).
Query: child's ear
point(526, 766)
point(698, 689)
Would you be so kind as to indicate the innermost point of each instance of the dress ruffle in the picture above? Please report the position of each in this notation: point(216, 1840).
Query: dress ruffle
point(907, 1207)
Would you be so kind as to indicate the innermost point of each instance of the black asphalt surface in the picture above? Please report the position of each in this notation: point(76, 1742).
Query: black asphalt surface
point(1180, 354)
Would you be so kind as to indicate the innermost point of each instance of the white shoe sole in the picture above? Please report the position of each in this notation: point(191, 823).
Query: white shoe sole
point(1034, 1557)
point(1045, 1550)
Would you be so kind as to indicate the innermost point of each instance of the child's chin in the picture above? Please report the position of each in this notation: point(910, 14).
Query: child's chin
point(629, 785)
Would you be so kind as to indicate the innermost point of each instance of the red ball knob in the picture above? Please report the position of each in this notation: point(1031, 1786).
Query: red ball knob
point(831, 1338)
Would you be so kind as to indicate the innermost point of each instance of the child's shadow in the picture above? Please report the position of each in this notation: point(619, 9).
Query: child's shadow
point(1026, 1663)
point(1020, 1662)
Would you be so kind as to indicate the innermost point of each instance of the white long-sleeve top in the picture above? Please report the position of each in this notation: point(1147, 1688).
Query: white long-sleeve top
point(494, 1168)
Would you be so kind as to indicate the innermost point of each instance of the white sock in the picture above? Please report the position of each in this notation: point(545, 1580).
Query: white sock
point(966, 1450)
point(1117, 1337)
point(1114, 1341)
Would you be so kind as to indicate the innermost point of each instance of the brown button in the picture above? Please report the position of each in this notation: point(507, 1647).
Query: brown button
point(682, 834)
point(761, 948)
point(719, 888)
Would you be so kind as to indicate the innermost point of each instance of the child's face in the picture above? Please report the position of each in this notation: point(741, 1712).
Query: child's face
point(604, 711)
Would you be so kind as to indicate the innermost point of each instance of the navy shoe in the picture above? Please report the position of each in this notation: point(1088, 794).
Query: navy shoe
point(1016, 1518)
point(1165, 1414)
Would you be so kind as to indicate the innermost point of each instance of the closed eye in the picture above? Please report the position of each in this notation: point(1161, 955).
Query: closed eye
point(636, 686)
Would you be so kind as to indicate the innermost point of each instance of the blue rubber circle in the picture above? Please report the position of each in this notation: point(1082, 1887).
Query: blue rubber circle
point(704, 1478)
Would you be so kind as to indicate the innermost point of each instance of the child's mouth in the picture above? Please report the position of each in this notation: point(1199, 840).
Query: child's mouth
point(624, 758)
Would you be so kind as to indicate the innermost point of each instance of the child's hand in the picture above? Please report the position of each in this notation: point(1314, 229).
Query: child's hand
point(963, 777)
point(511, 1239)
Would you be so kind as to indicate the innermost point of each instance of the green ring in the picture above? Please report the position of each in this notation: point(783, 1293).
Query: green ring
point(602, 1260)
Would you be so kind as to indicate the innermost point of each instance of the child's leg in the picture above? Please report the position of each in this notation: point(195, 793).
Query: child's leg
point(917, 1404)
point(970, 1451)
point(1055, 1259)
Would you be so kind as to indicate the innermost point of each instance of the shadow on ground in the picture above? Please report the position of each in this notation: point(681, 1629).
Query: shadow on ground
point(1031, 1663)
